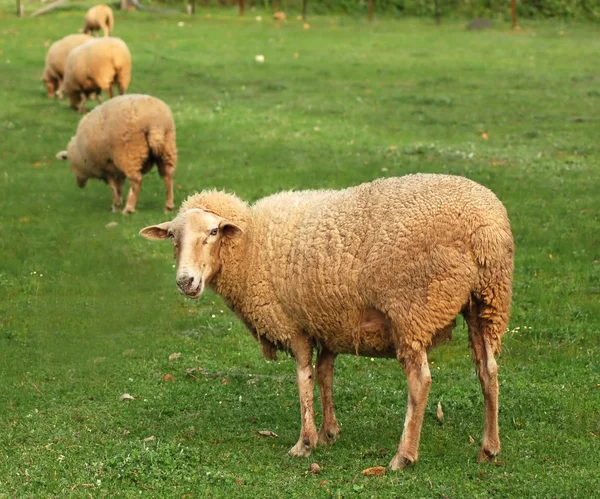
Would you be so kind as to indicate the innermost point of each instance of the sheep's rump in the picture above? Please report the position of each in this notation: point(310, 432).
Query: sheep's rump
point(360, 268)
point(126, 130)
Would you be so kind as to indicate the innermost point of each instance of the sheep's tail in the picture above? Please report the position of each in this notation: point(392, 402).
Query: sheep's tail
point(491, 299)
point(161, 146)
point(155, 138)
point(110, 22)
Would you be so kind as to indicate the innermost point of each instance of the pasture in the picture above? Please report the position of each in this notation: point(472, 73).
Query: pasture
point(89, 312)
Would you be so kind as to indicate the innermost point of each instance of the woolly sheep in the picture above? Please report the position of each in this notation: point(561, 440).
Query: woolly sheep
point(122, 138)
point(99, 17)
point(95, 66)
point(378, 270)
point(55, 62)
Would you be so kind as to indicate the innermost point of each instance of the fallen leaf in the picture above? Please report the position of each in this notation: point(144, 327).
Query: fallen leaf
point(268, 433)
point(174, 356)
point(150, 439)
point(314, 468)
point(225, 381)
point(24, 220)
point(440, 412)
point(324, 482)
point(125, 397)
point(169, 377)
point(37, 164)
point(550, 256)
point(471, 440)
point(306, 26)
point(374, 471)
point(110, 225)
point(260, 58)
point(484, 136)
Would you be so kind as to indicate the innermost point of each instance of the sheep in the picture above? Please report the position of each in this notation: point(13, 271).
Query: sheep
point(379, 270)
point(95, 66)
point(55, 62)
point(99, 17)
point(122, 138)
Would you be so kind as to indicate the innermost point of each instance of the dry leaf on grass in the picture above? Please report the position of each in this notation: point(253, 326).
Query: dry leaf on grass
point(314, 468)
point(440, 412)
point(268, 433)
point(374, 471)
point(150, 439)
point(174, 356)
point(471, 440)
point(169, 377)
point(110, 225)
point(126, 397)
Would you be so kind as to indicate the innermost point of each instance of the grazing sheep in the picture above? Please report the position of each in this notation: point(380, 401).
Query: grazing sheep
point(381, 269)
point(99, 17)
point(55, 62)
point(125, 137)
point(96, 66)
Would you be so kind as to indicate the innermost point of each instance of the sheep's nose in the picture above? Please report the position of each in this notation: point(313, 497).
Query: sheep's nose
point(185, 282)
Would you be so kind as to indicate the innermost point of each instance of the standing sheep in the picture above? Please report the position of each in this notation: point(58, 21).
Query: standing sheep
point(96, 66)
point(125, 137)
point(381, 269)
point(55, 62)
point(99, 17)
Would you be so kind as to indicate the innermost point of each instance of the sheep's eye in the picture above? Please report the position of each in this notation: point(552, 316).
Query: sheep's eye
point(171, 235)
point(214, 232)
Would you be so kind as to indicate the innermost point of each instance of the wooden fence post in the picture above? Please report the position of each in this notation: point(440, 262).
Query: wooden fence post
point(513, 8)
point(241, 5)
point(370, 10)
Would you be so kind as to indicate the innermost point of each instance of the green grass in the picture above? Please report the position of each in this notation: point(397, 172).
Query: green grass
point(88, 312)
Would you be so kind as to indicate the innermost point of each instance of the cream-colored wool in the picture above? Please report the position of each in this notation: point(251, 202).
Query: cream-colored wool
point(55, 62)
point(381, 269)
point(99, 17)
point(124, 138)
point(94, 67)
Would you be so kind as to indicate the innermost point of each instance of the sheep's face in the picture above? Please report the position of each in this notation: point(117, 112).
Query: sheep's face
point(197, 238)
point(80, 178)
point(51, 87)
point(74, 99)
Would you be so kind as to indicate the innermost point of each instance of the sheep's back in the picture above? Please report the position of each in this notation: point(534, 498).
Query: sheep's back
point(330, 255)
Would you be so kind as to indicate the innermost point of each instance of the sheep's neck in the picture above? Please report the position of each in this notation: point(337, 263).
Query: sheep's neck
point(232, 279)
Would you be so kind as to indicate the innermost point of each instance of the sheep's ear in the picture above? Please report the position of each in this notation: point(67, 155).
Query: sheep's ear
point(61, 155)
point(230, 229)
point(156, 232)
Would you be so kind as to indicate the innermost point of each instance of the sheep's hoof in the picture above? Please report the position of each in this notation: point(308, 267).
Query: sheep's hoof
point(127, 210)
point(302, 449)
point(329, 436)
point(400, 462)
point(169, 209)
point(487, 455)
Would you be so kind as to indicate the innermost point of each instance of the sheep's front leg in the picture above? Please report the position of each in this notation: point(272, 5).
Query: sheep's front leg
point(82, 103)
point(419, 380)
point(330, 428)
point(303, 351)
point(135, 185)
point(116, 185)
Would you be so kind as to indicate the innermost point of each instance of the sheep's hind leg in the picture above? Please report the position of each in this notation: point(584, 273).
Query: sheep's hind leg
point(165, 170)
point(419, 380)
point(330, 428)
point(303, 351)
point(135, 185)
point(485, 330)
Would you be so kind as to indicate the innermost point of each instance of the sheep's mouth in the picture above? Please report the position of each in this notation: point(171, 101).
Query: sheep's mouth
point(192, 292)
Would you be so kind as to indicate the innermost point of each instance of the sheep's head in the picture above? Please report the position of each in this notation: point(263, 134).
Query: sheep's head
point(80, 178)
point(51, 86)
point(197, 237)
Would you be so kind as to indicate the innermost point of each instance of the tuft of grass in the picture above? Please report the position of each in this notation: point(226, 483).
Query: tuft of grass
point(88, 313)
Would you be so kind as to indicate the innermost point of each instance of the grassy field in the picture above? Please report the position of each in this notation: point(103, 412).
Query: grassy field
point(88, 313)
